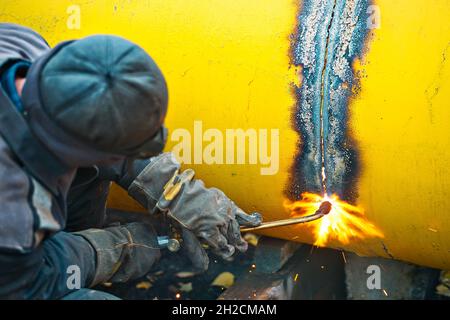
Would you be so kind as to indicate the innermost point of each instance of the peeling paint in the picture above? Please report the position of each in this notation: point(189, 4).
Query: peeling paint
point(330, 35)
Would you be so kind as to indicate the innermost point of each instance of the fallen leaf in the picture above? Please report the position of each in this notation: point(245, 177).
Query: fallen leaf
point(186, 287)
point(445, 278)
point(144, 285)
point(251, 238)
point(184, 274)
point(152, 278)
point(443, 290)
point(158, 273)
point(225, 279)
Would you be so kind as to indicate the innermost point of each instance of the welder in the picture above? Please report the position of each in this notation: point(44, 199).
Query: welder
point(73, 119)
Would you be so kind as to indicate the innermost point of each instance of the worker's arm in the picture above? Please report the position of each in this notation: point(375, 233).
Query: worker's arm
point(203, 213)
point(42, 272)
point(115, 254)
point(36, 259)
point(123, 172)
point(33, 265)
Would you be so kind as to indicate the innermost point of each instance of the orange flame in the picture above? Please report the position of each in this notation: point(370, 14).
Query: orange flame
point(344, 222)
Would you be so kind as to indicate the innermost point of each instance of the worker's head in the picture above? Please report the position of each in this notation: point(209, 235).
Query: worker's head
point(102, 93)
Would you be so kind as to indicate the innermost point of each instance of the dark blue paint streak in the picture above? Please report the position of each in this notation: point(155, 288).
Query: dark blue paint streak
point(344, 34)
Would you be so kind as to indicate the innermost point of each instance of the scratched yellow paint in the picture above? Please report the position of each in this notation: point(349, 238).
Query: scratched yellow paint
point(227, 63)
point(401, 120)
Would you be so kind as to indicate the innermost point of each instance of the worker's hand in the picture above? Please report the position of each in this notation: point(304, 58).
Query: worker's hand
point(122, 253)
point(206, 212)
point(194, 251)
point(212, 217)
point(208, 216)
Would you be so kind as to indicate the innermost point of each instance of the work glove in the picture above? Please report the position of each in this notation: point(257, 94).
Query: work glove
point(123, 252)
point(204, 213)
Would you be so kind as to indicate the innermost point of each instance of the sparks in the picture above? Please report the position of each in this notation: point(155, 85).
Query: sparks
point(343, 223)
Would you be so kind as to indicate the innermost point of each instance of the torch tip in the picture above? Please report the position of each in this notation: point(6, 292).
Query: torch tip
point(325, 207)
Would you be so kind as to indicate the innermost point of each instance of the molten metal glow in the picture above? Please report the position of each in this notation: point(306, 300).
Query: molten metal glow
point(344, 222)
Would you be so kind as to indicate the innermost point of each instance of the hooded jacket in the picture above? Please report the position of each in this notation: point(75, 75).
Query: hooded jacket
point(37, 175)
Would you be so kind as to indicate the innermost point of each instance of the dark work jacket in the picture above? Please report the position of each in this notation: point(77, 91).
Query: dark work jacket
point(37, 251)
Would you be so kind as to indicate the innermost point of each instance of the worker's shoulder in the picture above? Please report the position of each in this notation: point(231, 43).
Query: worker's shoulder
point(11, 172)
point(21, 31)
point(16, 214)
point(19, 42)
point(26, 210)
point(26, 206)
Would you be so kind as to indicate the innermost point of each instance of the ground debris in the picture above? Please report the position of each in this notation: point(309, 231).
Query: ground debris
point(184, 274)
point(185, 287)
point(252, 239)
point(225, 280)
point(444, 287)
point(145, 285)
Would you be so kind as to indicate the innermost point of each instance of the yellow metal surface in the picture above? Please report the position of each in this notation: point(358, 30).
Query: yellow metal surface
point(227, 65)
point(401, 120)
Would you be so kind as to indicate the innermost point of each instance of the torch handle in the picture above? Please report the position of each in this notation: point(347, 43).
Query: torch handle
point(282, 223)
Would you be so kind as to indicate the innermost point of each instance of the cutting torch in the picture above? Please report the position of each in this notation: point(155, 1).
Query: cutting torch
point(174, 186)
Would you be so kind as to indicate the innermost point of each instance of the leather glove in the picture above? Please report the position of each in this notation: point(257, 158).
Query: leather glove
point(206, 212)
point(123, 252)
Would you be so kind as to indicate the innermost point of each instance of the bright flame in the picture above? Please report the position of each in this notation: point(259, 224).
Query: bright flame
point(344, 222)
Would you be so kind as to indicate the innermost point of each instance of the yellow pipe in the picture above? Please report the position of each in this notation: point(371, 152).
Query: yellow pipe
point(230, 65)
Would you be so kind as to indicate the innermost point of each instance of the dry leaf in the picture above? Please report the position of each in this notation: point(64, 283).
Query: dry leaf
point(144, 285)
point(185, 287)
point(225, 279)
point(445, 278)
point(184, 274)
point(443, 290)
point(251, 239)
point(158, 273)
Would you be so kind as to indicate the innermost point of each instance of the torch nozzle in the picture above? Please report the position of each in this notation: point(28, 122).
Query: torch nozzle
point(325, 208)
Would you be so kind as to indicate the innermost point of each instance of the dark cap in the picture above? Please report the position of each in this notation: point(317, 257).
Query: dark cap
point(107, 92)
